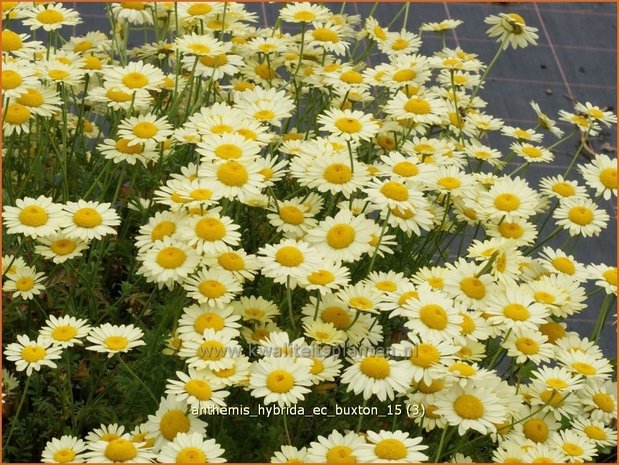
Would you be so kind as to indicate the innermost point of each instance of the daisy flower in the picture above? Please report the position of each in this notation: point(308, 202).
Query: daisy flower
point(106, 433)
point(333, 174)
point(67, 449)
point(526, 135)
point(212, 287)
point(31, 355)
point(470, 407)
point(120, 450)
point(26, 282)
point(545, 122)
point(556, 378)
point(233, 179)
point(577, 447)
point(171, 419)
point(40, 100)
point(16, 119)
point(325, 368)
point(288, 260)
point(541, 453)
point(236, 375)
point(280, 379)
point(216, 350)
point(432, 315)
point(325, 277)
point(335, 448)
point(191, 448)
point(65, 331)
point(361, 297)
point(136, 13)
point(350, 124)
point(210, 233)
point(290, 454)
point(292, 218)
point(558, 187)
point(168, 261)
point(557, 261)
point(376, 375)
point(594, 430)
point(119, 97)
point(445, 25)
point(324, 333)
point(527, 344)
point(196, 318)
point(50, 17)
point(200, 392)
point(60, 248)
point(585, 364)
point(510, 199)
point(580, 216)
point(515, 308)
point(242, 265)
point(303, 13)
point(344, 237)
point(511, 29)
point(532, 153)
point(465, 284)
point(265, 106)
point(395, 194)
point(401, 43)
point(425, 357)
point(17, 77)
point(86, 220)
point(392, 447)
point(592, 111)
point(421, 108)
point(226, 146)
point(255, 309)
point(113, 339)
point(328, 36)
point(161, 225)
point(135, 76)
point(601, 175)
point(600, 400)
point(604, 276)
point(33, 217)
point(144, 128)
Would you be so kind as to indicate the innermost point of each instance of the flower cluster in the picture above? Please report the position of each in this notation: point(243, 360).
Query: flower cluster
point(276, 221)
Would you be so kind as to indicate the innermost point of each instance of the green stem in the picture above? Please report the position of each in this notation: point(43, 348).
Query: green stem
point(19, 407)
point(440, 445)
point(360, 421)
point(289, 300)
point(150, 393)
point(599, 325)
point(286, 428)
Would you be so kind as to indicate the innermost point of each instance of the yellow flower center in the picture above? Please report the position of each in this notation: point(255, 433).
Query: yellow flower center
point(535, 430)
point(425, 355)
point(585, 369)
point(516, 312)
point(321, 277)
point(564, 265)
point(24, 284)
point(11, 41)
point(109, 437)
point(58, 74)
point(436, 283)
point(33, 216)
point(582, 216)
point(349, 125)
point(469, 407)
point(144, 130)
point(118, 95)
point(511, 230)
point(135, 80)
point(351, 77)
point(289, 256)
point(604, 402)
point(232, 174)
point(31, 98)
point(116, 342)
point(33, 353)
point(122, 145)
point(399, 44)
point(201, 390)
point(228, 151)
point(280, 381)
point(65, 455)
point(375, 367)
point(433, 316)
point(544, 297)
point(435, 386)
point(87, 218)
point(340, 454)
point(551, 397)
point(172, 423)
point(517, 18)
point(341, 236)
point(507, 202)
point(211, 350)
point(527, 346)
point(337, 316)
point(50, 16)
point(449, 182)
point(64, 333)
point(120, 450)
point(473, 288)
point(198, 9)
point(63, 246)
point(83, 46)
point(265, 72)
point(16, 114)
point(208, 320)
point(291, 215)
point(323, 34)
point(163, 229)
point(11, 79)
point(317, 366)
point(361, 303)
point(231, 261)
point(462, 369)
point(405, 169)
point(386, 286)
point(210, 229)
point(564, 189)
point(572, 449)
point(212, 289)
point(532, 152)
point(608, 177)
point(467, 325)
point(595, 432)
point(395, 190)
point(139, 6)
point(406, 296)
point(227, 372)
point(337, 173)
point(556, 383)
point(610, 276)
point(417, 106)
point(171, 257)
point(390, 449)
point(304, 16)
point(191, 455)
point(403, 75)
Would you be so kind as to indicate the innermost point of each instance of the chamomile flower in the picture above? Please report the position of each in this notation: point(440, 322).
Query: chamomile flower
point(212, 287)
point(557, 261)
point(31, 355)
point(401, 43)
point(233, 179)
point(514, 308)
point(425, 358)
point(420, 108)
point(200, 392)
point(210, 233)
point(325, 277)
point(600, 400)
point(362, 297)
point(532, 153)
point(527, 344)
point(113, 339)
point(16, 119)
point(558, 187)
point(596, 113)
point(465, 284)
point(197, 318)
point(545, 122)
point(303, 13)
point(595, 431)
point(144, 128)
point(26, 283)
point(65, 331)
point(161, 225)
point(376, 375)
point(325, 368)
point(171, 419)
point(577, 447)
point(17, 77)
point(511, 29)
point(242, 265)
point(433, 315)
point(86, 220)
point(580, 216)
point(135, 76)
point(66, 449)
point(33, 217)
point(584, 364)
point(510, 199)
point(168, 261)
point(287, 260)
point(604, 276)
point(191, 448)
point(281, 380)
point(392, 447)
point(350, 124)
point(601, 175)
point(59, 247)
point(333, 174)
point(215, 350)
point(290, 454)
point(329, 37)
point(50, 17)
point(324, 333)
point(336, 447)
point(255, 309)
